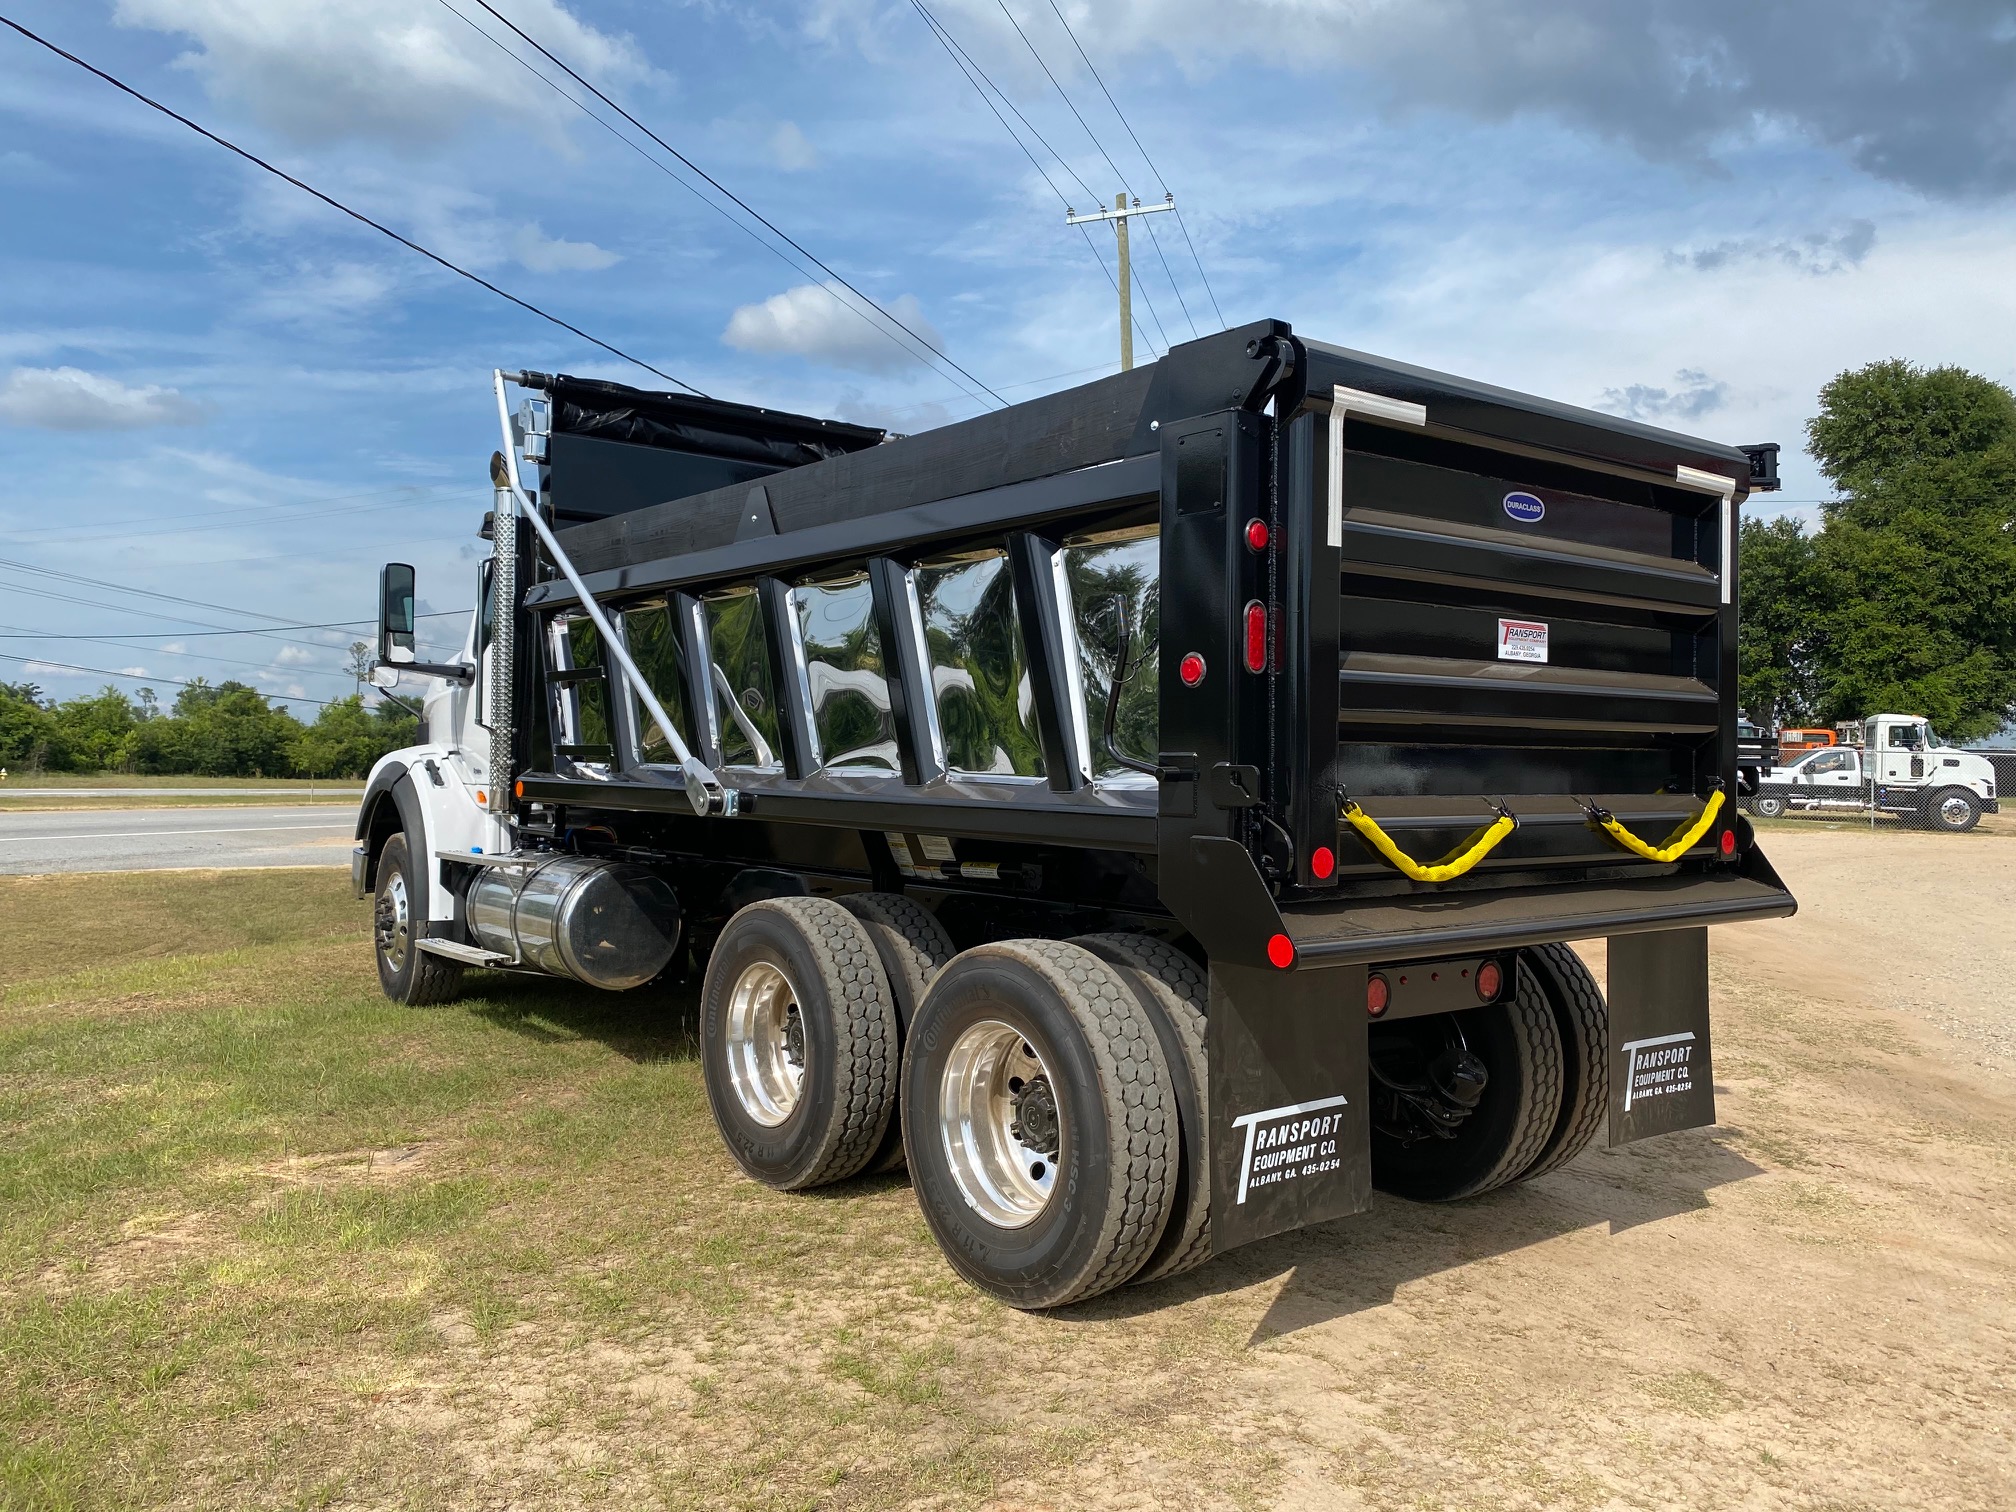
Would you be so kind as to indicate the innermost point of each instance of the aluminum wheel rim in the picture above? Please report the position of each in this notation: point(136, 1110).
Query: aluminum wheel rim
point(395, 922)
point(766, 1044)
point(1004, 1172)
point(1954, 810)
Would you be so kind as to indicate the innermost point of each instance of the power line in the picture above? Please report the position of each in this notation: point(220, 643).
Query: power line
point(729, 194)
point(336, 204)
point(1160, 182)
point(166, 598)
point(128, 645)
point(929, 351)
point(178, 682)
point(974, 74)
point(1100, 148)
point(206, 627)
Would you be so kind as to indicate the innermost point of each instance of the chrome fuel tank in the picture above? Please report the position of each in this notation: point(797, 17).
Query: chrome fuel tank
point(604, 923)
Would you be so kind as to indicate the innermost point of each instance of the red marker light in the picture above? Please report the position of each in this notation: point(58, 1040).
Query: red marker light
point(1377, 995)
point(1322, 862)
point(1256, 637)
point(1257, 535)
point(1281, 951)
point(1191, 669)
point(1490, 977)
point(1728, 842)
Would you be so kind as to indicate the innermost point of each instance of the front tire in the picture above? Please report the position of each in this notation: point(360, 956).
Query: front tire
point(798, 1042)
point(1954, 810)
point(1039, 1122)
point(406, 973)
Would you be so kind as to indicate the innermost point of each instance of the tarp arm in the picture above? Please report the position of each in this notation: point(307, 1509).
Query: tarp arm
point(704, 790)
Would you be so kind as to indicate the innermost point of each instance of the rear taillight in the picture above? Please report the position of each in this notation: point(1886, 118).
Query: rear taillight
point(1257, 535)
point(1256, 637)
point(1281, 951)
point(1322, 862)
point(1377, 995)
point(1490, 981)
point(1728, 842)
point(1191, 670)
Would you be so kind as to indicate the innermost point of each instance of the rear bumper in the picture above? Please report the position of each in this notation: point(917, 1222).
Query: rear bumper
point(1424, 924)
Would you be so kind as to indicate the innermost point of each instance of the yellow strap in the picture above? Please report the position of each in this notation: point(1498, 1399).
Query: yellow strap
point(1453, 865)
point(1681, 841)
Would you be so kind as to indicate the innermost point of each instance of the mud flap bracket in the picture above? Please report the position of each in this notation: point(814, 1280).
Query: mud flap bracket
point(1661, 1071)
point(1290, 1134)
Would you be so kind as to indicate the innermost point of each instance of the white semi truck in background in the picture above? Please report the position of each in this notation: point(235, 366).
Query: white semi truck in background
point(1892, 764)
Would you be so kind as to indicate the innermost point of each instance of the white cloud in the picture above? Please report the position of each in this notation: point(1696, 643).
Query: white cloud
point(70, 399)
point(792, 149)
point(541, 253)
point(397, 71)
point(293, 656)
point(825, 323)
point(1693, 395)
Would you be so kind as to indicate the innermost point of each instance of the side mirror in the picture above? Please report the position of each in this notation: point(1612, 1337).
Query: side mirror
point(396, 641)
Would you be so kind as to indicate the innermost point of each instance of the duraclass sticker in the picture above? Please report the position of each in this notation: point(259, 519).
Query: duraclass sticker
point(1527, 509)
point(1522, 640)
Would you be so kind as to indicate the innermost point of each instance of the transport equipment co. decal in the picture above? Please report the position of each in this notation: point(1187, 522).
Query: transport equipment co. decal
point(1283, 1144)
point(1659, 1067)
point(1522, 640)
point(1527, 509)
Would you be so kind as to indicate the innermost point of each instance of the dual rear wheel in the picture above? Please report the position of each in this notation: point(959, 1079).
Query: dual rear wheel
point(1047, 1095)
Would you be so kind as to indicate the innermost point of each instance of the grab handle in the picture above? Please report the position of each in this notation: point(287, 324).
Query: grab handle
point(1682, 840)
point(1451, 866)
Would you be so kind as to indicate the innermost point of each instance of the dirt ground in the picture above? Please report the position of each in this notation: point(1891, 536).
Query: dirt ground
point(267, 1241)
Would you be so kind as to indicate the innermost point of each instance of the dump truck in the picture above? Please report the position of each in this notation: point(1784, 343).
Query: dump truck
point(1153, 814)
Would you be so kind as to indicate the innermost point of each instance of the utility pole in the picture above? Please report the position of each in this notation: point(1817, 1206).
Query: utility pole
point(1120, 214)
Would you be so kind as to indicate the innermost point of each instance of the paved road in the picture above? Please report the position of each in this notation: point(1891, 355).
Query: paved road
point(157, 839)
point(9, 790)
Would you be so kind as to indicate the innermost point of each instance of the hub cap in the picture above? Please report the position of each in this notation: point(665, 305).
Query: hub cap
point(1954, 810)
point(766, 1044)
point(393, 921)
point(1000, 1123)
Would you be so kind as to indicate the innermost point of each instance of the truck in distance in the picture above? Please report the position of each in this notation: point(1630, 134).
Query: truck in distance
point(1153, 813)
point(1894, 765)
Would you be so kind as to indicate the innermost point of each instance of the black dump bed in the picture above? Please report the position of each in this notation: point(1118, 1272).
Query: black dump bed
point(1469, 599)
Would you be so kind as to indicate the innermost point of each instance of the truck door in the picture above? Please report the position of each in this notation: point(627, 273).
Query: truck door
point(1836, 775)
point(1900, 759)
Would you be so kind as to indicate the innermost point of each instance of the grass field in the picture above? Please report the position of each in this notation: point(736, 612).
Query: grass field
point(73, 790)
point(269, 1241)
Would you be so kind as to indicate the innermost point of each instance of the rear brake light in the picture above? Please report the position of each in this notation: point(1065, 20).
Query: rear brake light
point(1490, 979)
point(1191, 670)
point(1256, 637)
point(1728, 842)
point(1377, 995)
point(1256, 535)
point(1281, 951)
point(1322, 862)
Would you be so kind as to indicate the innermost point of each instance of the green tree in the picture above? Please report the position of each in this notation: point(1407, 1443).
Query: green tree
point(346, 738)
point(92, 731)
point(228, 730)
point(1905, 600)
point(27, 730)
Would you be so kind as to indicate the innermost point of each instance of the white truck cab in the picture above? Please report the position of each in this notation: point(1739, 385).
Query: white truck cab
point(1893, 763)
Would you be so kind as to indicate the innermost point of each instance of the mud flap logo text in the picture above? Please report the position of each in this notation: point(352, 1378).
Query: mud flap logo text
point(1286, 1144)
point(1661, 1067)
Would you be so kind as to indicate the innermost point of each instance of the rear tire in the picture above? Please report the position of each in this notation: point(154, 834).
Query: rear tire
point(399, 912)
point(1583, 1019)
point(1520, 1045)
point(1768, 806)
point(1175, 994)
point(798, 1042)
point(1039, 1121)
point(914, 948)
point(1954, 810)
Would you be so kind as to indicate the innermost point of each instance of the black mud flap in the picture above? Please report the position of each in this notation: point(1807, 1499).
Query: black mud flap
point(1290, 1135)
point(1661, 1074)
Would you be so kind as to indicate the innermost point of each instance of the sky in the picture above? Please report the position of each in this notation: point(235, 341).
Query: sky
point(233, 403)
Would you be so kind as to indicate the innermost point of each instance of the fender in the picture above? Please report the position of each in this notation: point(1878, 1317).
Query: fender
point(372, 831)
